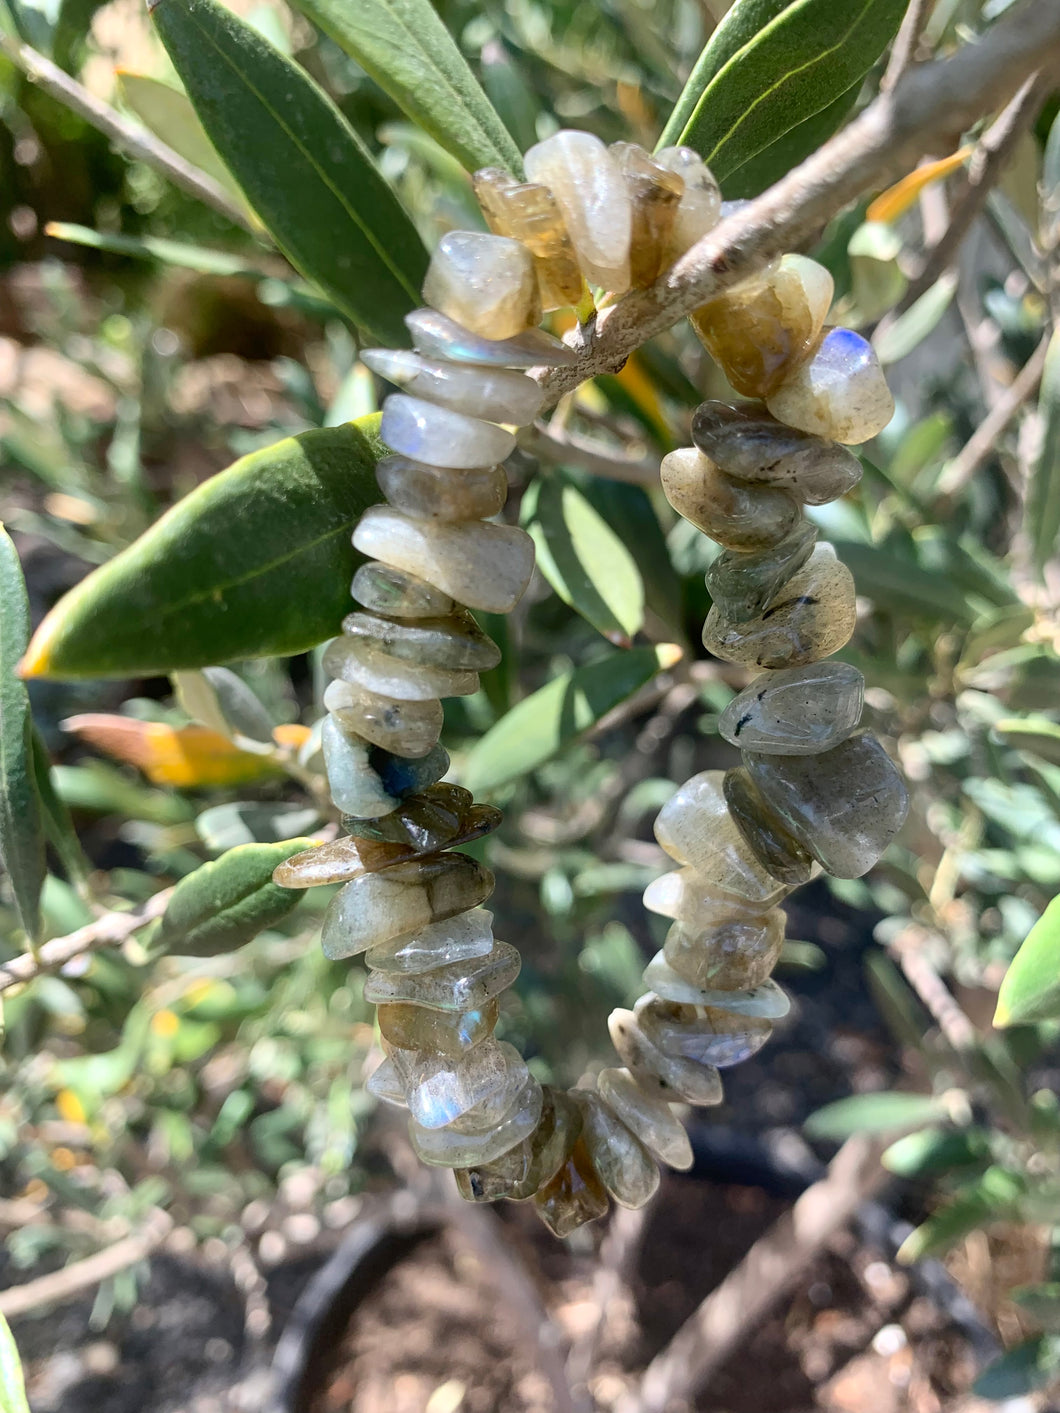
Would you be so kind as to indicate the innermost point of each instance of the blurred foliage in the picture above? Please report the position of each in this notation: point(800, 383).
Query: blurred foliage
point(148, 342)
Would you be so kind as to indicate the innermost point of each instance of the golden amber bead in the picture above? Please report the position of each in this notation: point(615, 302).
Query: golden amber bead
point(656, 194)
point(574, 1196)
point(530, 214)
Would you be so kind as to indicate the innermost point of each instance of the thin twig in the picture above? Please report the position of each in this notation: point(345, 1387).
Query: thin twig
point(878, 146)
point(908, 949)
point(566, 449)
point(770, 1269)
point(982, 444)
point(905, 42)
point(987, 163)
point(60, 1286)
point(107, 931)
point(128, 137)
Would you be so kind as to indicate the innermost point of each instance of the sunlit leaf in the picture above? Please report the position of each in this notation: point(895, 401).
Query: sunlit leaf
point(897, 199)
point(412, 56)
point(910, 329)
point(299, 164)
point(225, 903)
point(1032, 733)
point(21, 824)
point(539, 726)
point(255, 562)
point(12, 1384)
point(217, 698)
point(1031, 988)
point(791, 148)
point(936, 1150)
point(996, 1196)
point(872, 1113)
point(185, 756)
point(168, 113)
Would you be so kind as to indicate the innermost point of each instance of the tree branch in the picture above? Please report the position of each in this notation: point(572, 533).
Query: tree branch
point(106, 931)
point(565, 449)
point(128, 137)
point(906, 40)
point(941, 98)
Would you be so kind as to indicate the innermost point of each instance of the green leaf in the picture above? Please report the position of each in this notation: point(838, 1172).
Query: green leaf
point(255, 562)
point(71, 31)
point(221, 700)
point(253, 822)
point(910, 329)
point(539, 726)
point(936, 1150)
point(1042, 511)
point(225, 903)
point(21, 825)
point(12, 1384)
point(768, 67)
point(583, 559)
point(793, 147)
point(1032, 1365)
point(1032, 733)
point(993, 1197)
point(902, 586)
point(412, 56)
point(300, 165)
point(58, 825)
point(871, 1113)
point(1031, 988)
point(167, 112)
point(630, 513)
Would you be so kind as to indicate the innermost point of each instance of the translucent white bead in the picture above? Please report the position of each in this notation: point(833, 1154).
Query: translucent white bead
point(439, 944)
point(648, 1116)
point(494, 394)
point(592, 194)
point(485, 282)
point(766, 999)
point(424, 432)
point(699, 209)
point(839, 393)
point(364, 666)
point(441, 337)
point(798, 711)
point(482, 565)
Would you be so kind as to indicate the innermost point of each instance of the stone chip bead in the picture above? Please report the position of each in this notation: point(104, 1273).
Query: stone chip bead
point(844, 806)
point(670, 1077)
point(840, 392)
point(699, 209)
point(427, 821)
point(435, 493)
point(378, 906)
point(779, 852)
point(743, 584)
point(574, 1196)
point(655, 191)
point(647, 1116)
point(458, 986)
point(701, 1033)
point(761, 330)
point(695, 828)
point(592, 195)
point(438, 336)
point(492, 394)
point(427, 433)
point(449, 1148)
point(738, 515)
point(746, 442)
point(439, 944)
point(397, 593)
point(813, 616)
point(485, 282)
point(529, 213)
point(366, 780)
point(797, 711)
point(523, 1170)
point(455, 642)
point(404, 728)
point(360, 663)
point(766, 1000)
point(725, 947)
point(449, 1033)
point(479, 1087)
point(481, 565)
point(619, 1158)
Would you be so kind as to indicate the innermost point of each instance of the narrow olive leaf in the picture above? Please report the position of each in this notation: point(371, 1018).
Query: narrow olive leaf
point(993, 1197)
point(253, 822)
point(539, 726)
point(412, 56)
point(936, 1150)
point(167, 112)
point(12, 1384)
point(584, 560)
point(910, 329)
point(1031, 988)
point(796, 61)
point(903, 586)
point(299, 164)
point(872, 1113)
point(791, 148)
point(21, 823)
point(1041, 521)
point(1031, 733)
point(58, 825)
point(219, 699)
point(255, 562)
point(225, 903)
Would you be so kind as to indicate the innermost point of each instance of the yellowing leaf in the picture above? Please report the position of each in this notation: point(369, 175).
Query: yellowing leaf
point(186, 756)
point(291, 734)
point(70, 1107)
point(165, 1024)
point(897, 199)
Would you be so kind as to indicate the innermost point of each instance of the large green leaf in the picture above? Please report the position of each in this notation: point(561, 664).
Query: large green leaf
point(168, 113)
point(1031, 988)
point(21, 825)
point(768, 67)
point(300, 165)
point(539, 726)
point(791, 148)
point(1042, 515)
point(411, 55)
point(12, 1384)
point(255, 562)
point(227, 902)
point(583, 559)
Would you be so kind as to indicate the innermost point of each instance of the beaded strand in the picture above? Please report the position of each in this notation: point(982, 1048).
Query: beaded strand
point(813, 792)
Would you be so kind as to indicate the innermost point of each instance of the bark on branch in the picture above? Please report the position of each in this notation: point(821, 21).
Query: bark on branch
point(929, 102)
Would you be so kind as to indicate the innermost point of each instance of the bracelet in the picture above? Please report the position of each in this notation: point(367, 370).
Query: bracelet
point(813, 792)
